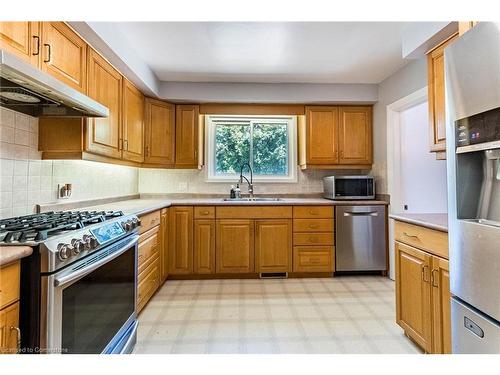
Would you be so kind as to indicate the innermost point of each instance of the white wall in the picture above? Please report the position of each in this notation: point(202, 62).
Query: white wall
point(423, 178)
point(27, 180)
point(405, 81)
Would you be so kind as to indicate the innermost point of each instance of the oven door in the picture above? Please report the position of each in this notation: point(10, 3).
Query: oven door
point(91, 305)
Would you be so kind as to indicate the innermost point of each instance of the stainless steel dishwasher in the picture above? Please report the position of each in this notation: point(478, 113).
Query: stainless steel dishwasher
point(361, 240)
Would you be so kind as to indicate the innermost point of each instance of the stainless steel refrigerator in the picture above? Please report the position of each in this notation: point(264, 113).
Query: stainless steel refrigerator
point(473, 159)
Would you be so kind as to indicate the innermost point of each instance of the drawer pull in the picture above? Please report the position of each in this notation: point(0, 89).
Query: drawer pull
point(313, 239)
point(313, 226)
point(314, 260)
point(311, 212)
point(18, 338)
point(205, 212)
point(410, 235)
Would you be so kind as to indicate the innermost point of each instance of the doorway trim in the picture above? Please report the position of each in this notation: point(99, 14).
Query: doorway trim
point(394, 160)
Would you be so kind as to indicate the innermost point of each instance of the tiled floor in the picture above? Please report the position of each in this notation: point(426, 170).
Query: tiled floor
point(339, 315)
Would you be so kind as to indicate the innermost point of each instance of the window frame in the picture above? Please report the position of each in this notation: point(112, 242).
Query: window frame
point(210, 126)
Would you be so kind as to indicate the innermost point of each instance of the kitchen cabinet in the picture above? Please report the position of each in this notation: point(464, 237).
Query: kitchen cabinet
point(164, 248)
point(464, 26)
point(204, 246)
point(333, 137)
point(423, 287)
point(133, 123)
point(235, 246)
point(181, 240)
point(10, 334)
point(159, 129)
point(273, 245)
point(436, 99)
point(105, 86)
point(64, 54)
point(21, 39)
point(186, 135)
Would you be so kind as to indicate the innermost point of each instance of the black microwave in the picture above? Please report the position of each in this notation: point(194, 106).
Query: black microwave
point(348, 187)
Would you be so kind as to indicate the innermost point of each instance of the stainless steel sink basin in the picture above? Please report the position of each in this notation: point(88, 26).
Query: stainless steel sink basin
point(252, 199)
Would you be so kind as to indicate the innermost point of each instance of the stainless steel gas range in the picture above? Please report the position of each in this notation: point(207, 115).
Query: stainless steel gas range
point(78, 288)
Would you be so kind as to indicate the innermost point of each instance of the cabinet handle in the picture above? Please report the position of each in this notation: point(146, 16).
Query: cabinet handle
point(49, 52)
point(313, 226)
point(410, 235)
point(341, 154)
point(18, 338)
point(425, 274)
point(313, 239)
point(311, 212)
point(37, 38)
point(146, 150)
point(125, 144)
point(120, 144)
point(434, 280)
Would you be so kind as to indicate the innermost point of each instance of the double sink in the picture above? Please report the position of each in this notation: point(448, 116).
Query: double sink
point(252, 199)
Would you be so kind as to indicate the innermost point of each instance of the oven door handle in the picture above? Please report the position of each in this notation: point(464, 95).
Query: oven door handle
point(60, 281)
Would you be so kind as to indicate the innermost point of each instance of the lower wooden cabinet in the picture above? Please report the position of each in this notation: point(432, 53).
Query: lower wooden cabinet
point(235, 246)
point(423, 298)
point(313, 259)
point(181, 240)
point(10, 335)
point(148, 282)
point(204, 247)
point(273, 245)
point(164, 250)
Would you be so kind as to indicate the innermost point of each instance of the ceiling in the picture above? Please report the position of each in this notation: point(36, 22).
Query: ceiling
point(267, 52)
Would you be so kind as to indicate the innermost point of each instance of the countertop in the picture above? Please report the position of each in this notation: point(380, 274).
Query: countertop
point(432, 221)
point(9, 254)
point(142, 206)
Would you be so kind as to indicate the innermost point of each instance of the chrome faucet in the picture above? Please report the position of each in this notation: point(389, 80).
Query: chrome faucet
point(250, 183)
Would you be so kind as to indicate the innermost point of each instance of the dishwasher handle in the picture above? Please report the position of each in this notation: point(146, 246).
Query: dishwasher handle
point(371, 213)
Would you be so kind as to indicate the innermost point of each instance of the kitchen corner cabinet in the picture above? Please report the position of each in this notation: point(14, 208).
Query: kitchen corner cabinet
point(181, 240)
point(50, 46)
point(159, 133)
point(273, 244)
point(133, 123)
point(423, 287)
point(104, 86)
point(186, 136)
point(335, 137)
point(10, 334)
point(437, 106)
point(22, 39)
point(235, 246)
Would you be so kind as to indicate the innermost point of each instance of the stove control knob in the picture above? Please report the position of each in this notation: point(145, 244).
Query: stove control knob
point(78, 245)
point(90, 242)
point(127, 225)
point(135, 222)
point(64, 251)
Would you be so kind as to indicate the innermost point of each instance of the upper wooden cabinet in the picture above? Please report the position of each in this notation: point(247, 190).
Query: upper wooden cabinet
point(437, 106)
point(464, 26)
point(336, 137)
point(21, 39)
point(186, 136)
point(159, 130)
point(133, 123)
point(104, 86)
point(64, 54)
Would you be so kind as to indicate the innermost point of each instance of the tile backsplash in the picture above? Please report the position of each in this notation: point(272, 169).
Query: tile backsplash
point(27, 180)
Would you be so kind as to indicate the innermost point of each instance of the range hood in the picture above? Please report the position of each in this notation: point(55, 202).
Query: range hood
point(26, 89)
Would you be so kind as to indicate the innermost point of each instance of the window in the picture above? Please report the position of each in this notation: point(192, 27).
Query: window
point(266, 143)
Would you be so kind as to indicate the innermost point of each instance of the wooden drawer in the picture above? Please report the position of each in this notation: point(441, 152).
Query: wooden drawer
point(149, 220)
point(148, 283)
point(313, 212)
point(254, 212)
point(313, 225)
point(313, 259)
point(307, 239)
point(9, 284)
point(433, 241)
point(149, 248)
point(204, 212)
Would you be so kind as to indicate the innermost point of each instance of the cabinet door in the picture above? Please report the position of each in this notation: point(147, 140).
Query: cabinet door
point(441, 297)
point(159, 133)
point(164, 246)
point(181, 240)
point(235, 246)
point(9, 329)
point(413, 294)
point(64, 54)
point(104, 86)
point(355, 135)
point(437, 121)
point(22, 39)
point(204, 246)
point(186, 136)
point(273, 245)
point(133, 123)
point(322, 135)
